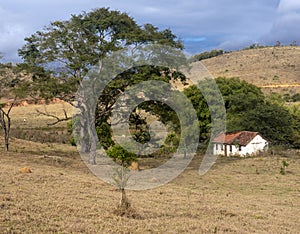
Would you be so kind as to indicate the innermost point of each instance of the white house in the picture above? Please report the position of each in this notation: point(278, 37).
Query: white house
point(240, 143)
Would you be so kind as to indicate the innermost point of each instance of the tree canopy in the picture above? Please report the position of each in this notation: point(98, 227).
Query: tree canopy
point(68, 49)
point(62, 54)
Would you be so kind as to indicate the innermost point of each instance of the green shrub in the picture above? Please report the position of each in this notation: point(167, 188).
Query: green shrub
point(121, 155)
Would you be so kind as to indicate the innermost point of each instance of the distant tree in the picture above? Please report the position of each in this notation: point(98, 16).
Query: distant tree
point(254, 46)
point(5, 122)
point(271, 120)
point(207, 54)
point(202, 109)
point(278, 43)
point(12, 88)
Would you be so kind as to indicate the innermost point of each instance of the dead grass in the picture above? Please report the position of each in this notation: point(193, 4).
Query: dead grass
point(261, 67)
point(235, 196)
point(27, 124)
point(62, 196)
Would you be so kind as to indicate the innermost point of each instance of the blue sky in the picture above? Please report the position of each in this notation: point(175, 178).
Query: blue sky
point(201, 24)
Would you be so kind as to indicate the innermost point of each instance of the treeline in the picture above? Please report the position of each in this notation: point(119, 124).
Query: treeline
point(206, 55)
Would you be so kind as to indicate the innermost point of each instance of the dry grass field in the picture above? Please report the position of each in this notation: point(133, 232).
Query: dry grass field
point(28, 124)
point(262, 67)
point(62, 196)
point(238, 195)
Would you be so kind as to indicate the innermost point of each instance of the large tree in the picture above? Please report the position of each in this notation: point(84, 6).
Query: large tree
point(62, 54)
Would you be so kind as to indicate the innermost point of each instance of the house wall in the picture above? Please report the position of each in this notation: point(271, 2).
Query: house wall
point(254, 146)
point(257, 144)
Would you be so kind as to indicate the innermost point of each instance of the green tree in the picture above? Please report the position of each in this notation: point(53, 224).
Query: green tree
point(247, 109)
point(206, 55)
point(295, 113)
point(202, 109)
point(67, 50)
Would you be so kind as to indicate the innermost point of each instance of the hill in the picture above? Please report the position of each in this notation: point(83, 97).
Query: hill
point(272, 68)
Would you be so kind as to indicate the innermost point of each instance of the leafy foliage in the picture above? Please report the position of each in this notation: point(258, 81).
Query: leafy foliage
point(62, 54)
point(120, 155)
point(68, 49)
point(248, 109)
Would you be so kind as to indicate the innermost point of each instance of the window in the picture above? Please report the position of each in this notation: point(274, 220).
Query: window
point(221, 147)
point(230, 148)
point(216, 146)
point(240, 148)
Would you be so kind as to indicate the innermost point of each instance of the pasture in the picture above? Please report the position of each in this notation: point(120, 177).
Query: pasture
point(238, 195)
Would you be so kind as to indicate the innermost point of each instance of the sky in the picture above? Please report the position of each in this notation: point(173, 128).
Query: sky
point(202, 25)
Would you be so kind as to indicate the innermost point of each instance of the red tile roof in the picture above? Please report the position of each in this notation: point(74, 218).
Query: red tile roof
point(240, 138)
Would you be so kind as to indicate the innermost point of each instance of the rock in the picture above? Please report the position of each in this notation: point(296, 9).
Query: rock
point(25, 170)
point(154, 180)
point(135, 166)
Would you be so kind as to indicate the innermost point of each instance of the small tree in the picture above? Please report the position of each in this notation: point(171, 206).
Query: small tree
point(124, 158)
point(5, 123)
point(11, 88)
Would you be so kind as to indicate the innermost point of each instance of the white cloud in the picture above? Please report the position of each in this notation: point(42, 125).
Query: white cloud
point(12, 34)
point(286, 26)
point(235, 43)
point(288, 6)
point(221, 22)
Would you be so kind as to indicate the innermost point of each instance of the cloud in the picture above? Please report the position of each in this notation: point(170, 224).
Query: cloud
point(223, 23)
point(235, 43)
point(288, 6)
point(12, 34)
point(194, 39)
point(286, 25)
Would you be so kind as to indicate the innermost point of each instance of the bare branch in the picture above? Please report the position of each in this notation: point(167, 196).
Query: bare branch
point(11, 106)
point(57, 119)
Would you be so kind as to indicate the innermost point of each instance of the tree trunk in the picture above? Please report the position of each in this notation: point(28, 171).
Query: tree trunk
point(83, 139)
point(6, 141)
point(5, 123)
point(91, 128)
point(123, 201)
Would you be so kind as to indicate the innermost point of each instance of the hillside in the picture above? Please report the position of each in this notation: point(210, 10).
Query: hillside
point(270, 67)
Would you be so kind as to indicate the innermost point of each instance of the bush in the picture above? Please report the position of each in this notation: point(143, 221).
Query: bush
point(121, 155)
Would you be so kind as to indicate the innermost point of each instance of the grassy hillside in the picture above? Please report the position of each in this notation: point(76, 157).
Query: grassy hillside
point(272, 68)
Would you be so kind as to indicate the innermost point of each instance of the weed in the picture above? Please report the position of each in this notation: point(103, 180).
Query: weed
point(283, 167)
